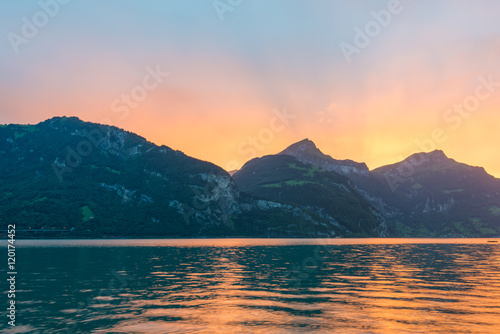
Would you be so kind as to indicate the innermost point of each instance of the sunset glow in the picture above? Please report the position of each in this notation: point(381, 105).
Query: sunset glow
point(227, 79)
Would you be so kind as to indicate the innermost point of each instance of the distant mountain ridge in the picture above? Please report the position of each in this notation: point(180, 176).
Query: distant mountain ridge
point(67, 178)
point(426, 194)
point(327, 194)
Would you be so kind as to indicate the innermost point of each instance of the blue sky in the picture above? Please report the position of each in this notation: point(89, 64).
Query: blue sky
point(227, 76)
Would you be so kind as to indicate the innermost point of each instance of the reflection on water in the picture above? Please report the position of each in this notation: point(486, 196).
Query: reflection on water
point(219, 286)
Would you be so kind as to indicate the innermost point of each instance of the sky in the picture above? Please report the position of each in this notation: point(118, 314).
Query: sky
point(229, 80)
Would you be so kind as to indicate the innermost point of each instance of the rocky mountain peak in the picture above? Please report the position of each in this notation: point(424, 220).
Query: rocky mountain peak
point(304, 149)
point(428, 159)
point(307, 152)
point(303, 145)
point(434, 156)
point(437, 155)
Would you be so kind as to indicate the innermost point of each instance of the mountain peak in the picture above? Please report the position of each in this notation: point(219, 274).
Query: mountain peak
point(303, 145)
point(423, 161)
point(437, 154)
point(307, 152)
point(433, 156)
point(62, 119)
point(304, 149)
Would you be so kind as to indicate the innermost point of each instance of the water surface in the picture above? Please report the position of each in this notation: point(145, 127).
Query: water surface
point(258, 286)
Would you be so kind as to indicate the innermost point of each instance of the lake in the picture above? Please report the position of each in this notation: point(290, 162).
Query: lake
point(257, 286)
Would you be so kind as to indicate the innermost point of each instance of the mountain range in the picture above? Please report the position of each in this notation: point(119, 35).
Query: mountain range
point(65, 178)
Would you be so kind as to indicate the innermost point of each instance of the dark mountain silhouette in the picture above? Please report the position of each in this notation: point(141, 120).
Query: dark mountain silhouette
point(427, 194)
point(69, 178)
point(437, 195)
point(328, 194)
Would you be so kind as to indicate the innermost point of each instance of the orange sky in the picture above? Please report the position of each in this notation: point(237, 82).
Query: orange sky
point(227, 79)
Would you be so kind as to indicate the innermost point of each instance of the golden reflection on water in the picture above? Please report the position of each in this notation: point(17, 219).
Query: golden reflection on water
point(370, 287)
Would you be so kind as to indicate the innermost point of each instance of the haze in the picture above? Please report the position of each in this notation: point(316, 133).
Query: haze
point(427, 78)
